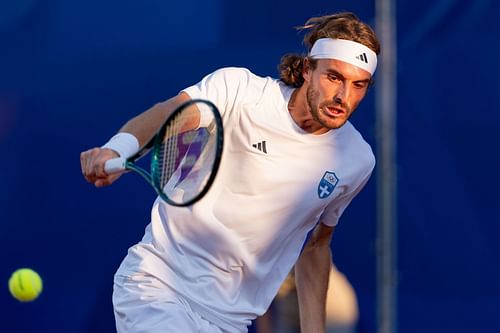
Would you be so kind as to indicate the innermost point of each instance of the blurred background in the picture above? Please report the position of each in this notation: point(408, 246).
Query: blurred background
point(72, 71)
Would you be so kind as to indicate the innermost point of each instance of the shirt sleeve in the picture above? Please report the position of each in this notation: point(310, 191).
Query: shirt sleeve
point(225, 88)
point(334, 210)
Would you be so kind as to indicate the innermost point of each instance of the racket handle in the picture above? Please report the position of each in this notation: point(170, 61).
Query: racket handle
point(114, 165)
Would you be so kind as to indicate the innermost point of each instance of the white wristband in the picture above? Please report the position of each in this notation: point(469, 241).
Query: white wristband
point(125, 144)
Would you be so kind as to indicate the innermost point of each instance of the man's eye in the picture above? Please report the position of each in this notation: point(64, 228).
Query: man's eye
point(360, 85)
point(333, 77)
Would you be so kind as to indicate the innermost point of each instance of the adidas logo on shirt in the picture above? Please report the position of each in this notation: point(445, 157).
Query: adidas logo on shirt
point(260, 146)
point(362, 57)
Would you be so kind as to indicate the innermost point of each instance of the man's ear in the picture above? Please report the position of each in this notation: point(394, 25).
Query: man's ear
point(306, 69)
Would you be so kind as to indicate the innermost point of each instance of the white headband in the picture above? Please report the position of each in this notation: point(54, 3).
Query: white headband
point(345, 50)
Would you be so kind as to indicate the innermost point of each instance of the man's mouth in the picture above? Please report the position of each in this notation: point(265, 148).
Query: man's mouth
point(333, 111)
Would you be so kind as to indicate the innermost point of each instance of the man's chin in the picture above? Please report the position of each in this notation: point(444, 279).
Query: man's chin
point(334, 123)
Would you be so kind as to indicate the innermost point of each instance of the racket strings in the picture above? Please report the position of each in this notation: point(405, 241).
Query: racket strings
point(186, 160)
point(170, 152)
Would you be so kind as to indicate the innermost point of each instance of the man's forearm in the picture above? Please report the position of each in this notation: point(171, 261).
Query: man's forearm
point(146, 124)
point(311, 277)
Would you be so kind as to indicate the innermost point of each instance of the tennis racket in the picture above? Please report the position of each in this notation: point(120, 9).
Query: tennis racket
point(184, 157)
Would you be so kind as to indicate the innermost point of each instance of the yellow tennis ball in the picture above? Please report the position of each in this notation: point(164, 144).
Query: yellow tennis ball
point(25, 284)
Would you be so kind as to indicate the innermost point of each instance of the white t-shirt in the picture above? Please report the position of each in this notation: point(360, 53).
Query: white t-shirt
point(228, 254)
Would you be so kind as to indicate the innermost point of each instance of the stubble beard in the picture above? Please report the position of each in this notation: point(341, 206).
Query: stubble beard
point(315, 107)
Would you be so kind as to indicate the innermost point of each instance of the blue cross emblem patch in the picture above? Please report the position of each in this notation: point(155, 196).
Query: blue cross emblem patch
point(327, 184)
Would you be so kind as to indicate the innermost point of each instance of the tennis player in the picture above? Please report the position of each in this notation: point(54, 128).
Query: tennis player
point(292, 163)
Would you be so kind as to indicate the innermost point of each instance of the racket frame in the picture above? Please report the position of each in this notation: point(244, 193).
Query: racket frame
point(153, 178)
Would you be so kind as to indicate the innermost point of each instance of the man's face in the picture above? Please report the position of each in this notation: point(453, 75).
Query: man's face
point(335, 88)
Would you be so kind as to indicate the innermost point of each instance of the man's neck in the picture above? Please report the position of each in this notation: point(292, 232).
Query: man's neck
point(301, 112)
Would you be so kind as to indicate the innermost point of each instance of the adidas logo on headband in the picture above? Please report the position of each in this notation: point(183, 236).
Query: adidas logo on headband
point(362, 57)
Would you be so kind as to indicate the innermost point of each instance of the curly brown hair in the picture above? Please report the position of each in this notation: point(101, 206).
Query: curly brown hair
point(343, 25)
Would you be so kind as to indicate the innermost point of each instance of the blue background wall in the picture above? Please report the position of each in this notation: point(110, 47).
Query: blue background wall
point(71, 72)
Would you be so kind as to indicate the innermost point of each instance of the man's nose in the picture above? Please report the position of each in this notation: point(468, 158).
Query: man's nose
point(342, 94)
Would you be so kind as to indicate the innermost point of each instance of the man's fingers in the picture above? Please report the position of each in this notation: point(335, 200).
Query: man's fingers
point(92, 164)
point(105, 181)
point(101, 183)
point(88, 164)
point(99, 170)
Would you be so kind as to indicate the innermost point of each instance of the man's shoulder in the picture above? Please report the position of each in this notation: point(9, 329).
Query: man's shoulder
point(242, 74)
point(235, 70)
point(247, 83)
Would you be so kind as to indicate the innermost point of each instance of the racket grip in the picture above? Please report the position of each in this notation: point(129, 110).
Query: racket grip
point(114, 165)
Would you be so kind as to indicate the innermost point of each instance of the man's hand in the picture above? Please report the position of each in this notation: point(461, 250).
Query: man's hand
point(92, 164)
